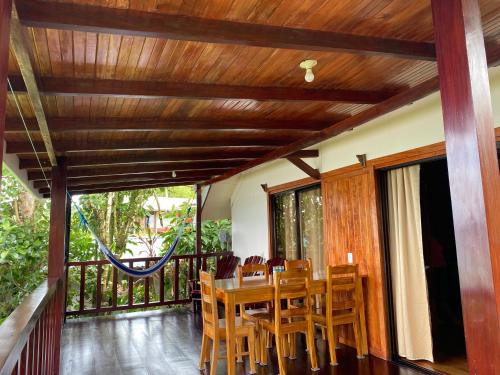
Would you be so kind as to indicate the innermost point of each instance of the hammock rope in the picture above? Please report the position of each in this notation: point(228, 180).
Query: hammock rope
point(116, 262)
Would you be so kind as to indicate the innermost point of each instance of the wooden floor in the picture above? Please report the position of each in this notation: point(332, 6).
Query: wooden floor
point(168, 342)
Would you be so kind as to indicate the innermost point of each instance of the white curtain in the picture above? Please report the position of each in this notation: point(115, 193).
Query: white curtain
point(411, 303)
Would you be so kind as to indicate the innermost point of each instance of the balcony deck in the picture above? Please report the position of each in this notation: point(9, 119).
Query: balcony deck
point(168, 342)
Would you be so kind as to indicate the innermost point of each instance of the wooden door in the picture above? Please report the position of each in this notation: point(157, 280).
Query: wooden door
point(351, 225)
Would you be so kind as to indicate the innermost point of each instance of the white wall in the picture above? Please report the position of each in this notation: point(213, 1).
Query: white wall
point(413, 126)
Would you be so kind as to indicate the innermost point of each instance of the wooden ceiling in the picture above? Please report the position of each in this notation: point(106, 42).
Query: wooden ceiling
point(133, 90)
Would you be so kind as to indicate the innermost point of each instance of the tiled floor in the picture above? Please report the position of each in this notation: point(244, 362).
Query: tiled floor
point(168, 342)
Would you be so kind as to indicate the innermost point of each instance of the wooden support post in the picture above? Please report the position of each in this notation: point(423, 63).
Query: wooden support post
point(57, 248)
point(5, 15)
point(473, 174)
point(199, 208)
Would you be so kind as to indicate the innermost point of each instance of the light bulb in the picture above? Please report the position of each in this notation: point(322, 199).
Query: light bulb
point(309, 77)
point(174, 175)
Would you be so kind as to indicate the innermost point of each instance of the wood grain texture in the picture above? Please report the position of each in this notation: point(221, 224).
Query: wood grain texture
point(473, 174)
point(5, 15)
point(351, 225)
point(160, 90)
point(57, 232)
point(117, 21)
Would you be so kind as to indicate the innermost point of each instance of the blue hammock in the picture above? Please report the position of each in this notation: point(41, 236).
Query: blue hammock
point(127, 270)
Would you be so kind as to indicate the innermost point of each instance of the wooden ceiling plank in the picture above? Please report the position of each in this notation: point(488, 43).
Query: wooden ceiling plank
point(73, 124)
point(20, 48)
point(180, 27)
point(59, 86)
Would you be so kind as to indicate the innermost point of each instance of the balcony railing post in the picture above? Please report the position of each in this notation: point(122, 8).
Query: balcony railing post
point(5, 15)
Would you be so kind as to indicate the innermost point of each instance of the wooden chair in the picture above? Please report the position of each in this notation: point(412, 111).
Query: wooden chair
point(273, 263)
point(225, 267)
point(299, 264)
point(253, 312)
point(254, 259)
point(290, 285)
point(343, 297)
point(214, 328)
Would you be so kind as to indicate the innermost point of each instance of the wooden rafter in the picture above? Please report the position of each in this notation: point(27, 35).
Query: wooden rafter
point(19, 46)
point(207, 167)
point(208, 154)
point(71, 124)
point(162, 90)
point(157, 25)
point(304, 167)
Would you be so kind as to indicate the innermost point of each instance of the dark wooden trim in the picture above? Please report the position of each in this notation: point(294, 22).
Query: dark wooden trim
point(5, 17)
point(73, 183)
point(159, 25)
point(473, 174)
point(183, 141)
point(182, 169)
point(304, 167)
point(164, 90)
point(199, 208)
point(296, 184)
point(72, 124)
point(57, 232)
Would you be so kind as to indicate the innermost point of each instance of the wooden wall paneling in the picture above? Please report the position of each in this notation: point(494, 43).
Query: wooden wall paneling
point(5, 15)
point(473, 174)
point(351, 224)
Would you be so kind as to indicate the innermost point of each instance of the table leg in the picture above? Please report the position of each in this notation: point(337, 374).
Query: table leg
point(362, 319)
point(230, 309)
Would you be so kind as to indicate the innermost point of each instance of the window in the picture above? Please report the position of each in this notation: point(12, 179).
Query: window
point(298, 225)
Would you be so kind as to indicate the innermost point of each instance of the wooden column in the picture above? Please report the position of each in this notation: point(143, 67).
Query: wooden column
point(57, 234)
point(199, 208)
point(5, 14)
point(473, 174)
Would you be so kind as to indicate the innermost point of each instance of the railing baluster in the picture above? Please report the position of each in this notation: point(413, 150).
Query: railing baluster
point(115, 286)
point(162, 285)
point(82, 288)
point(146, 286)
point(131, 287)
point(176, 279)
point(22, 361)
point(99, 288)
point(15, 371)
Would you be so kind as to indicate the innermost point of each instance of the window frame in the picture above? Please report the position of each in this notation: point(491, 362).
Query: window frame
point(272, 211)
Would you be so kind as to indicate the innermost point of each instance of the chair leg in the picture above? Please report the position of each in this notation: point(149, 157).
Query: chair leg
point(311, 346)
point(293, 346)
point(323, 333)
point(203, 351)
point(258, 333)
point(239, 349)
point(279, 352)
point(269, 339)
point(331, 345)
point(251, 350)
point(215, 355)
point(263, 348)
point(284, 342)
point(357, 338)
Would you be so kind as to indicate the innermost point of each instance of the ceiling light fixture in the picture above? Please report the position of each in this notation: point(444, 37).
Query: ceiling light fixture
point(174, 175)
point(308, 65)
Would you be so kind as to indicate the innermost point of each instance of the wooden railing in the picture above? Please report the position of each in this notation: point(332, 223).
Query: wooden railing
point(95, 287)
point(30, 337)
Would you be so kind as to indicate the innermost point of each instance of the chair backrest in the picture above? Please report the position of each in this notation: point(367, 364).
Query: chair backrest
point(342, 291)
point(273, 263)
point(251, 269)
point(299, 264)
point(226, 265)
point(208, 300)
point(291, 285)
point(254, 259)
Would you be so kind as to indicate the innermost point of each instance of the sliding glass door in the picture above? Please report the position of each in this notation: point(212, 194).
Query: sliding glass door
point(298, 225)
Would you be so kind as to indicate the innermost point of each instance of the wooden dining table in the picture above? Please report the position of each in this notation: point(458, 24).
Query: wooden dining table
point(254, 290)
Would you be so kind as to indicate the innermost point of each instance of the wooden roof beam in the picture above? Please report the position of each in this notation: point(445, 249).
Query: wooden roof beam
point(235, 155)
point(179, 27)
point(70, 124)
point(138, 169)
point(20, 48)
point(162, 90)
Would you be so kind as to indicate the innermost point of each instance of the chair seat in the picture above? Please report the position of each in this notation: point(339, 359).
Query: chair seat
point(241, 327)
point(339, 318)
point(257, 314)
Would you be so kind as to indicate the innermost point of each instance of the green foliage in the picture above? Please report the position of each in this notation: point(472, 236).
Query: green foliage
point(23, 243)
point(180, 192)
